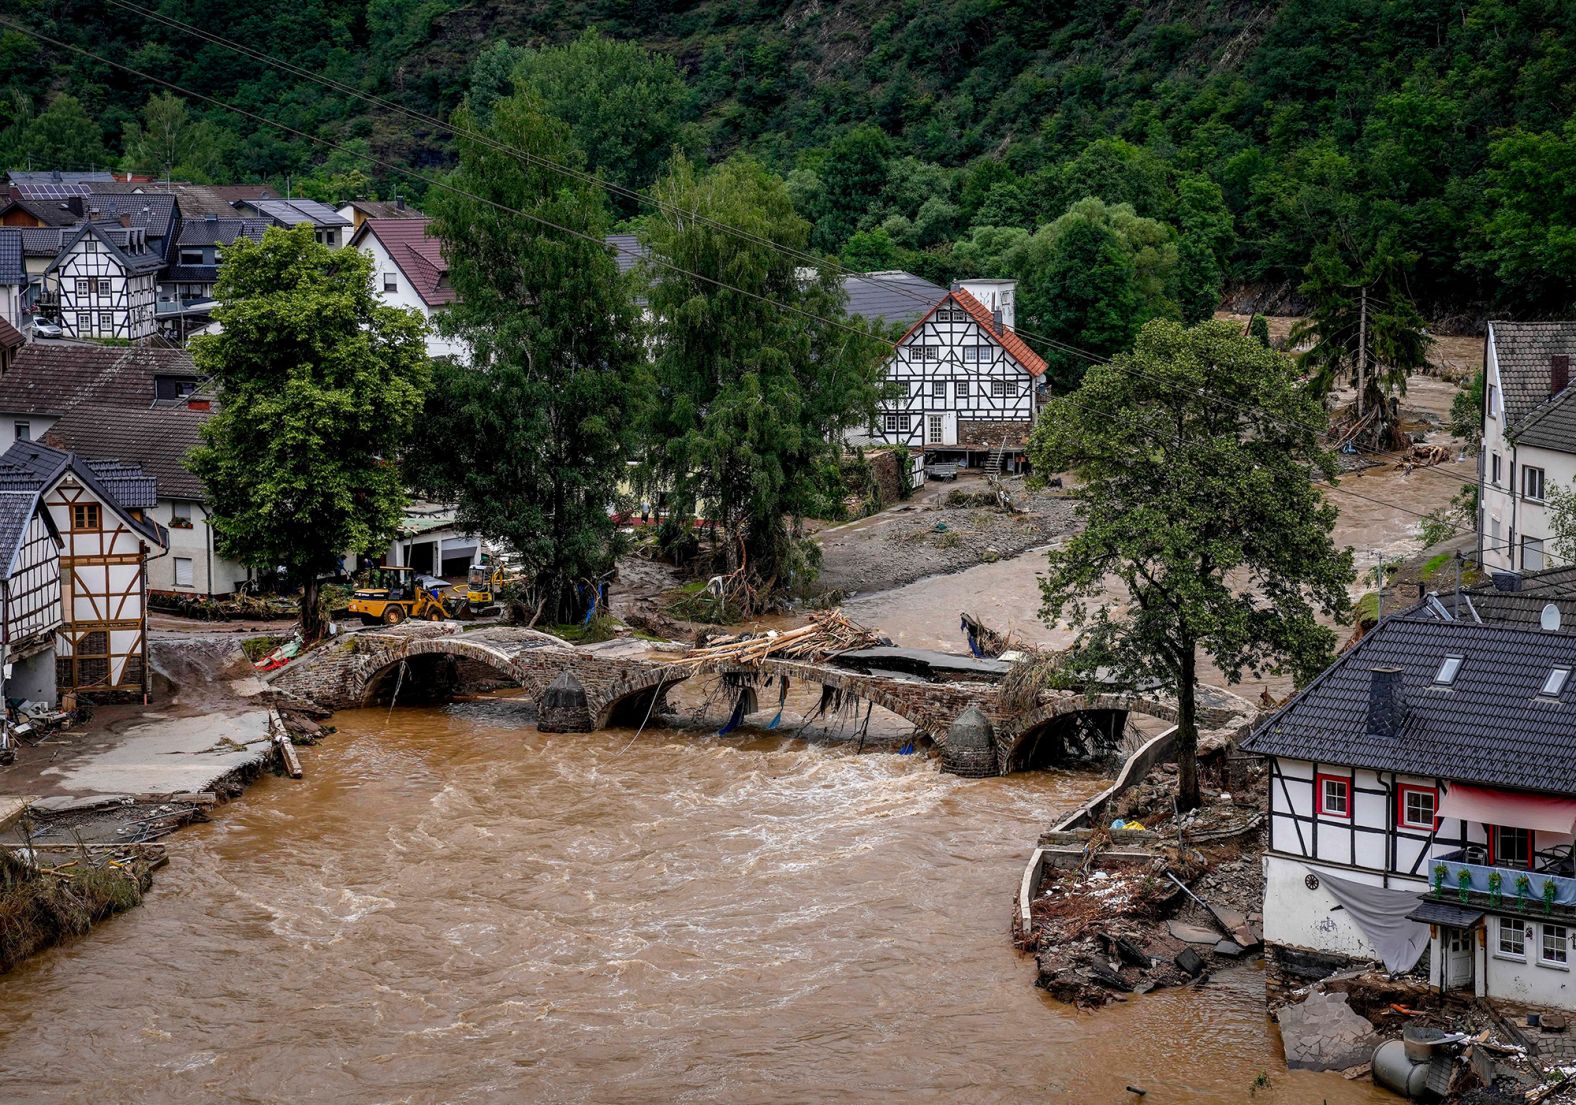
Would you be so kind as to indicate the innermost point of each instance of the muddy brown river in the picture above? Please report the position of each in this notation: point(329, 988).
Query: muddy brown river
point(453, 907)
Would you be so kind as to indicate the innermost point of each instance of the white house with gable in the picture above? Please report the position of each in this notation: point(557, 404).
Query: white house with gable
point(105, 280)
point(961, 382)
point(408, 270)
point(1529, 441)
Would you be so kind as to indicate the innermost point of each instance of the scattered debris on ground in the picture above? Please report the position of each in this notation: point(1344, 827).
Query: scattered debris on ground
point(826, 632)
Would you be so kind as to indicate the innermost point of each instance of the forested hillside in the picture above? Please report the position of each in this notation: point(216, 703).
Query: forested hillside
point(1227, 143)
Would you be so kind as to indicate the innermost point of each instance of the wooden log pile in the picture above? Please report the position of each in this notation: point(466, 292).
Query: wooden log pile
point(827, 633)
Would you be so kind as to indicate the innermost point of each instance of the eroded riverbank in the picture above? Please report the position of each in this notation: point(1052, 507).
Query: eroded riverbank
point(454, 907)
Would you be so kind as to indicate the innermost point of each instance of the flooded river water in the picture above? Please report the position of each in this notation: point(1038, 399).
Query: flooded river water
point(454, 907)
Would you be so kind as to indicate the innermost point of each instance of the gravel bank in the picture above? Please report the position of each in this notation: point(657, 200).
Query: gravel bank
point(912, 541)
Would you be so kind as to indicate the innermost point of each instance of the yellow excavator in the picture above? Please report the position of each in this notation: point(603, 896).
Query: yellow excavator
point(486, 578)
point(391, 593)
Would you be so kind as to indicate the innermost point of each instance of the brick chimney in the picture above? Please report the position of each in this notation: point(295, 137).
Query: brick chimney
point(196, 402)
point(1559, 373)
point(125, 220)
point(1385, 706)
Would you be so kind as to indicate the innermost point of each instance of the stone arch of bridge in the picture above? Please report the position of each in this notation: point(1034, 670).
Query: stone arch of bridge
point(424, 658)
point(1024, 746)
point(632, 696)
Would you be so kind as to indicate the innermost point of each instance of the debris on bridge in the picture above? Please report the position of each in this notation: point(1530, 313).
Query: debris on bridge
point(828, 632)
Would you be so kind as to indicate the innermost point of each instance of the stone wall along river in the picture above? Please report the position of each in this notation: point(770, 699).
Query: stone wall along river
point(455, 908)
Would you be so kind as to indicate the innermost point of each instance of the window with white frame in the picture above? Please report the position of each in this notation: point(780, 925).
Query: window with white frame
point(1003, 389)
point(960, 388)
point(181, 515)
point(1555, 682)
point(103, 285)
point(106, 320)
point(931, 352)
point(971, 352)
point(1532, 483)
point(895, 423)
point(89, 245)
point(390, 282)
point(1494, 468)
point(1556, 945)
point(1335, 796)
point(1449, 668)
point(1532, 553)
point(183, 571)
point(84, 287)
point(938, 389)
point(1512, 938)
point(1419, 805)
point(84, 322)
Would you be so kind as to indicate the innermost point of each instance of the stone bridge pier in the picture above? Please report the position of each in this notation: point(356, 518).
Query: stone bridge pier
point(582, 690)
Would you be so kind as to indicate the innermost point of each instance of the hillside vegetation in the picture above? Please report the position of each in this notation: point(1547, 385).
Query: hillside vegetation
point(1431, 141)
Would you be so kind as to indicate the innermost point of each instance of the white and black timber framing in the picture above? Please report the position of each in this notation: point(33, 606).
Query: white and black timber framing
point(949, 369)
point(104, 290)
point(1373, 837)
point(32, 591)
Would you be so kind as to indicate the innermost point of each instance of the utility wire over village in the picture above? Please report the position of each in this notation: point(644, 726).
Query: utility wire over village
point(651, 539)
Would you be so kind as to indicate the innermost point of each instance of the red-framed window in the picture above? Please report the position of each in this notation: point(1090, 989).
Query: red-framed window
point(1333, 795)
point(1509, 846)
point(1417, 807)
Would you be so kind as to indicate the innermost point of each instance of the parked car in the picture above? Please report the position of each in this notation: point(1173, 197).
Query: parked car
point(44, 328)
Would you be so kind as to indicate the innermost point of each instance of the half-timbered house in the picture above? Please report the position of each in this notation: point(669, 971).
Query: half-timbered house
point(30, 613)
point(97, 510)
point(962, 384)
point(1423, 797)
point(105, 282)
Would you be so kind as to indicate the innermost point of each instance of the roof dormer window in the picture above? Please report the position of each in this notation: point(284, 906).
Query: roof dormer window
point(1555, 683)
point(1448, 668)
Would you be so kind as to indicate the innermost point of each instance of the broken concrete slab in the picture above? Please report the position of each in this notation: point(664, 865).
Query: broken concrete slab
point(1230, 949)
point(1322, 1032)
point(1192, 934)
point(1245, 936)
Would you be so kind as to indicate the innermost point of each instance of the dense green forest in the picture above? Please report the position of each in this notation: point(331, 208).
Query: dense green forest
point(1184, 147)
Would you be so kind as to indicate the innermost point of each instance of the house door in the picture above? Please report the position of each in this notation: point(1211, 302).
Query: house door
point(1459, 955)
point(935, 428)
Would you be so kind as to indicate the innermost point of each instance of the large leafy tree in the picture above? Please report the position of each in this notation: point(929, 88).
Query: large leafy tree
point(627, 106)
point(532, 436)
point(169, 142)
point(318, 385)
point(756, 372)
point(1204, 248)
point(1091, 279)
point(1195, 454)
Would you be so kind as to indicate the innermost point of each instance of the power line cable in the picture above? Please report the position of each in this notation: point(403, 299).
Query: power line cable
point(660, 262)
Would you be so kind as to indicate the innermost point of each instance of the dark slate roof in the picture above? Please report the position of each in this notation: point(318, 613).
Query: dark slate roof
point(192, 274)
point(44, 178)
point(194, 200)
point(1523, 610)
point(1522, 350)
point(891, 297)
point(40, 241)
point(1553, 425)
point(116, 242)
point(50, 378)
point(627, 250)
point(34, 466)
point(130, 485)
point(11, 267)
point(153, 440)
point(1489, 727)
point(48, 212)
point(221, 231)
point(17, 507)
point(1445, 913)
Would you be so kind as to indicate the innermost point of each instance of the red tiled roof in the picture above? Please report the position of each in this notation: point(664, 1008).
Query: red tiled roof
point(1030, 361)
point(10, 336)
point(418, 256)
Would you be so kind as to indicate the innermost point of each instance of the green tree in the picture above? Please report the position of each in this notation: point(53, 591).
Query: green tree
point(1466, 412)
point(627, 107)
point(1530, 235)
point(870, 251)
point(531, 438)
point(853, 175)
point(1204, 248)
point(1562, 524)
point(62, 135)
point(1361, 328)
point(169, 142)
point(318, 386)
point(754, 387)
point(1195, 454)
point(1259, 329)
point(1092, 278)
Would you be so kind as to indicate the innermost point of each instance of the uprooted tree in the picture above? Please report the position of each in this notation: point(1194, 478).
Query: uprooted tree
point(755, 373)
point(318, 384)
point(1195, 454)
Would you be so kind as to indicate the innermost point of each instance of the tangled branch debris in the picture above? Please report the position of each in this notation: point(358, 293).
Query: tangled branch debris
point(828, 632)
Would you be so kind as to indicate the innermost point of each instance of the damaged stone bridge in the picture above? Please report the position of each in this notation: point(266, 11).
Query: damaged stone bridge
point(957, 703)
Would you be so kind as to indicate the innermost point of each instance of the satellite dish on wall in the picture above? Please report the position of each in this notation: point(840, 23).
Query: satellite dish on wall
point(1550, 618)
